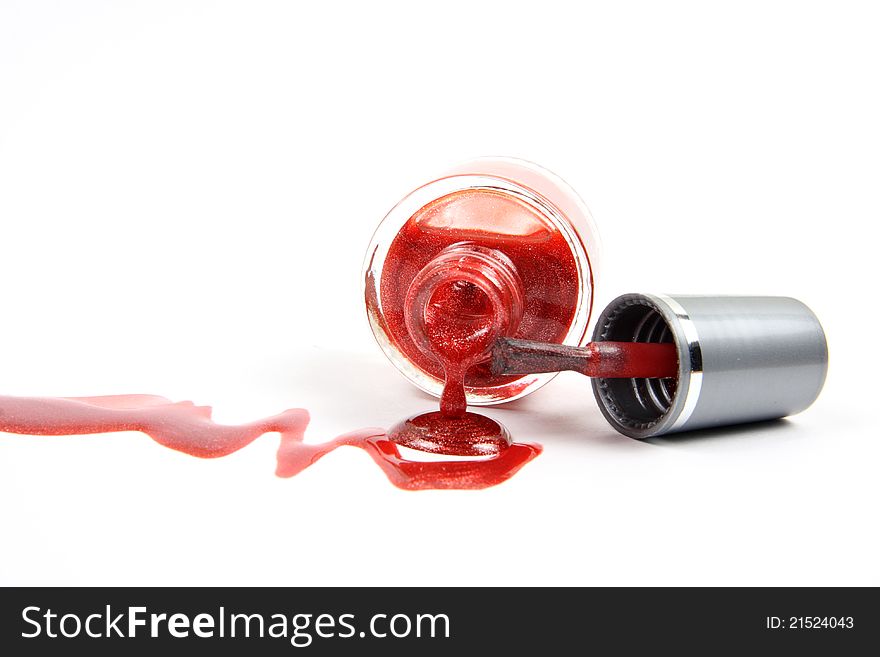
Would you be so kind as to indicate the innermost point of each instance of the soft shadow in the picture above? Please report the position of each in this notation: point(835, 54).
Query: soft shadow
point(370, 390)
point(338, 373)
point(561, 417)
point(345, 389)
point(752, 430)
point(577, 422)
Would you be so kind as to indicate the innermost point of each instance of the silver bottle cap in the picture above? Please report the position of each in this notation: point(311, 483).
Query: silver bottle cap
point(741, 359)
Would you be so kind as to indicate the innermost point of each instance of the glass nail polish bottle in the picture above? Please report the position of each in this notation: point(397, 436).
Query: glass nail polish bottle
point(496, 246)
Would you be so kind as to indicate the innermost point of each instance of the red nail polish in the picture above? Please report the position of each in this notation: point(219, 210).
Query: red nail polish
point(494, 247)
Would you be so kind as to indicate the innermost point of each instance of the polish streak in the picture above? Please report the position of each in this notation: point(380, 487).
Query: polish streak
point(188, 428)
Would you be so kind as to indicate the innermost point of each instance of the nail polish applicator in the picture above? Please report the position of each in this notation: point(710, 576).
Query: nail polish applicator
point(664, 364)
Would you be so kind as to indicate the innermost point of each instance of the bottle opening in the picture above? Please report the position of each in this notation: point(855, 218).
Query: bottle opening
point(461, 301)
point(636, 403)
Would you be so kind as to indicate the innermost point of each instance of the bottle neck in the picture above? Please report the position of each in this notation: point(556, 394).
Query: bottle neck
point(461, 301)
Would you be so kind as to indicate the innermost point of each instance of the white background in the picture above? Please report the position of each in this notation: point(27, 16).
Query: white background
point(186, 193)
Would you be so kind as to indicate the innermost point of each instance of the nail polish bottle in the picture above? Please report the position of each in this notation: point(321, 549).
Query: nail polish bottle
point(506, 247)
